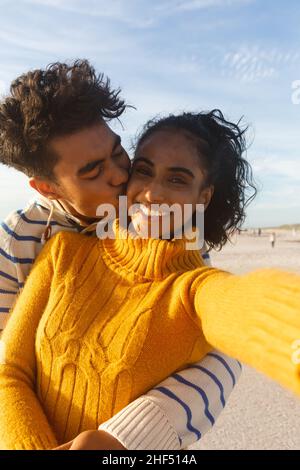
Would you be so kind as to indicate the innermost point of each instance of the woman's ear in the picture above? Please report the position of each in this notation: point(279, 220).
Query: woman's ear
point(206, 195)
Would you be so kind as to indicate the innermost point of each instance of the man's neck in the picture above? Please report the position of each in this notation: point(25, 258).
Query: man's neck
point(66, 207)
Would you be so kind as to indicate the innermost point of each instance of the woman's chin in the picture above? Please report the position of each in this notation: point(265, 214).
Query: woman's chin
point(147, 227)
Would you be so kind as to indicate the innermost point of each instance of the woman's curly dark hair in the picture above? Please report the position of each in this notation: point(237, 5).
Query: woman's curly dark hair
point(221, 145)
point(44, 104)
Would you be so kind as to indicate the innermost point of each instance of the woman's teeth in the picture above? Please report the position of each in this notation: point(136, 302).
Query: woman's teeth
point(152, 212)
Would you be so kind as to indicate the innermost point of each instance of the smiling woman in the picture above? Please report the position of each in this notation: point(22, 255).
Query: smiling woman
point(166, 170)
point(194, 158)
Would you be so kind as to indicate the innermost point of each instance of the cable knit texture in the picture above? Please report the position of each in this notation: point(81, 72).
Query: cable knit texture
point(100, 322)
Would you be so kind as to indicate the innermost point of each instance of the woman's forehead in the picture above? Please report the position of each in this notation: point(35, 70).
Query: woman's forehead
point(165, 146)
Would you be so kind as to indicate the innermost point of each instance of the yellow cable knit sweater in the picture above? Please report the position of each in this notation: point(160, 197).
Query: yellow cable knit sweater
point(100, 322)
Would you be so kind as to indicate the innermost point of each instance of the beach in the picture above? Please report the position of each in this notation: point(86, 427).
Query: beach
point(259, 413)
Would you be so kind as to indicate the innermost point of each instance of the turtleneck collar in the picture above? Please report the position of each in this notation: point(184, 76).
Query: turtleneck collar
point(151, 259)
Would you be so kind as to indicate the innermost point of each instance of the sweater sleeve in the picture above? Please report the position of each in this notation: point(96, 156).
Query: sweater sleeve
point(23, 423)
point(180, 410)
point(254, 318)
point(9, 283)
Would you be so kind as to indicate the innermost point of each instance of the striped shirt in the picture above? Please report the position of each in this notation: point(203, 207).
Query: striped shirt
point(181, 409)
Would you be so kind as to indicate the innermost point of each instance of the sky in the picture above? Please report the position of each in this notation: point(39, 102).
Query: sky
point(241, 56)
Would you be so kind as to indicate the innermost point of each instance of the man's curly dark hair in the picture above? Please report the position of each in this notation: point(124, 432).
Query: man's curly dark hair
point(44, 104)
point(221, 145)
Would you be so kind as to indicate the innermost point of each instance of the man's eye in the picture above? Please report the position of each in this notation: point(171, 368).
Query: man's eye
point(93, 174)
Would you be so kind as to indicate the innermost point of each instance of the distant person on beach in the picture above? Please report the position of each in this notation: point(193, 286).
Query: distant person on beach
point(54, 128)
point(272, 239)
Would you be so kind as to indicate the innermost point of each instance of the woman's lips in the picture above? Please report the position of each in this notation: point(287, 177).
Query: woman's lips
point(145, 217)
point(150, 211)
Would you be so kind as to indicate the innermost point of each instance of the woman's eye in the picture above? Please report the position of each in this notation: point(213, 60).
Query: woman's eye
point(119, 153)
point(177, 180)
point(142, 171)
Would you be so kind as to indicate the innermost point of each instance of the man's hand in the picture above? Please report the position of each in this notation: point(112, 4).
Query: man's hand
point(93, 440)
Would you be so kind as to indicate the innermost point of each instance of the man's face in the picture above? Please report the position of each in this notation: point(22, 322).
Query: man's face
point(93, 169)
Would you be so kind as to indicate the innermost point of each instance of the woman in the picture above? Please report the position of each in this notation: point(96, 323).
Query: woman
point(101, 321)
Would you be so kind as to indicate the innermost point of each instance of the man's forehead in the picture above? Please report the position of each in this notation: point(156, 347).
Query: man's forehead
point(86, 145)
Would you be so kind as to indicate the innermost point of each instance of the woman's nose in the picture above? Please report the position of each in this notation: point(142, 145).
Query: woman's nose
point(154, 195)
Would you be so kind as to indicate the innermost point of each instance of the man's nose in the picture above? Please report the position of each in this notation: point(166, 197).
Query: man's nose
point(118, 175)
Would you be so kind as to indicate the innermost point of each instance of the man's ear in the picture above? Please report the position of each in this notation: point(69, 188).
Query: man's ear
point(45, 188)
point(206, 195)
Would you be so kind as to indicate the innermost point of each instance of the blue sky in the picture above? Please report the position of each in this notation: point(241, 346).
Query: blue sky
point(241, 56)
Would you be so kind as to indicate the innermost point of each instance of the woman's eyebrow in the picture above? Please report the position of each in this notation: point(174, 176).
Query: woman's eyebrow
point(117, 142)
point(173, 168)
point(182, 170)
point(142, 159)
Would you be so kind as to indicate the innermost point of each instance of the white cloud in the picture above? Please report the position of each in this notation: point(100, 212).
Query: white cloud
point(134, 14)
point(172, 7)
point(92, 7)
point(254, 63)
point(65, 42)
point(276, 166)
point(202, 4)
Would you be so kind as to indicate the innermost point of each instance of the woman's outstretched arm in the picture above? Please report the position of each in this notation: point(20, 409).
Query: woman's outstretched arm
point(254, 318)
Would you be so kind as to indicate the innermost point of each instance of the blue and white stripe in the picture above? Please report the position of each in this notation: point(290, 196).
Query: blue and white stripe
point(20, 244)
point(207, 386)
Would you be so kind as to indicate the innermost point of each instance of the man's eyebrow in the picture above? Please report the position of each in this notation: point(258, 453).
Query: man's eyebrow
point(92, 164)
point(182, 170)
point(89, 167)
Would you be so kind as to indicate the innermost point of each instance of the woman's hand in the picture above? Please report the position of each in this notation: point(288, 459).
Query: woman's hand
point(92, 440)
point(64, 446)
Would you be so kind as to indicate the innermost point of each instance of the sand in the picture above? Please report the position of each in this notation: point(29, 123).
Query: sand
point(259, 414)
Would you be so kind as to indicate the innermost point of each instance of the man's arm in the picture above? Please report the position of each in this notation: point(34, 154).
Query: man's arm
point(9, 285)
point(16, 259)
point(180, 410)
point(177, 413)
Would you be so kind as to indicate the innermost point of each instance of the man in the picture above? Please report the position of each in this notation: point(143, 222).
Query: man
point(53, 128)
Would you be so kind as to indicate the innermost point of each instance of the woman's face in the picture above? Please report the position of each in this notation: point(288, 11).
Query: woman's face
point(166, 170)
